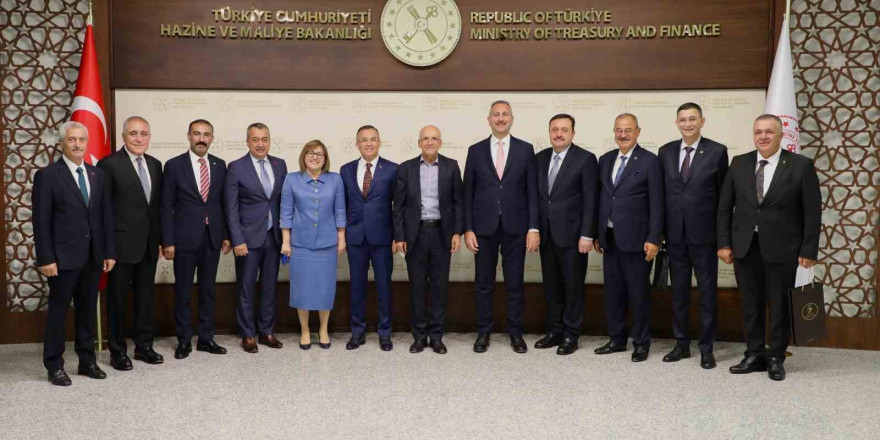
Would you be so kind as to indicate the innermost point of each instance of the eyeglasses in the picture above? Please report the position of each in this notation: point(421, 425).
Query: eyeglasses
point(315, 154)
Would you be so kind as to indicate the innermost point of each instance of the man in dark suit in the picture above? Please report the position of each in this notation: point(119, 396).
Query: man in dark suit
point(500, 211)
point(369, 189)
point(134, 181)
point(630, 228)
point(73, 239)
point(769, 217)
point(428, 222)
point(567, 187)
point(194, 233)
point(253, 202)
point(693, 171)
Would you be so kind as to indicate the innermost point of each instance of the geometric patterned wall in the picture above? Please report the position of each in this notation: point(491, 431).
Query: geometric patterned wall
point(837, 76)
point(835, 50)
point(40, 47)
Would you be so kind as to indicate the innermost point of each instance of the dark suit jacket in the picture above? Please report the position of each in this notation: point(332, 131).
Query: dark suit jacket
point(408, 200)
point(569, 211)
point(135, 221)
point(513, 198)
point(183, 211)
point(635, 206)
point(789, 219)
point(247, 207)
point(691, 204)
point(65, 229)
point(369, 218)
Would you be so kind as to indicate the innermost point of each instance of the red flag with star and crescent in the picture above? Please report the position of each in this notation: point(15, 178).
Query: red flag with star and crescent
point(88, 102)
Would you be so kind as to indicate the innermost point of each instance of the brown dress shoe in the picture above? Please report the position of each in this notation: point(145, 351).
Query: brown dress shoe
point(270, 341)
point(249, 345)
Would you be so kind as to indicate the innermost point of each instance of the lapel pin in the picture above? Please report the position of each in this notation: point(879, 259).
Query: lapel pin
point(701, 151)
point(638, 173)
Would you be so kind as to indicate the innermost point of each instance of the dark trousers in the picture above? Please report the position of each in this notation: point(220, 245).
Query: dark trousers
point(626, 284)
point(81, 285)
point(139, 278)
point(702, 259)
point(359, 260)
point(427, 264)
point(563, 270)
point(265, 260)
point(187, 263)
point(513, 257)
point(761, 282)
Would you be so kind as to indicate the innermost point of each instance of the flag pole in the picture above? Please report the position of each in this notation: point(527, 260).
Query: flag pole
point(98, 305)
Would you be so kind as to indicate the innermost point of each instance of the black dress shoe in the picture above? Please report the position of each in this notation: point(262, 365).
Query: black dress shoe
point(418, 346)
point(707, 360)
point(568, 346)
point(385, 343)
point(269, 341)
point(610, 347)
point(60, 378)
point(149, 356)
point(678, 353)
point(323, 345)
point(355, 342)
point(775, 370)
point(750, 364)
point(92, 371)
point(182, 351)
point(482, 343)
point(120, 362)
point(518, 344)
point(640, 353)
point(438, 346)
point(210, 347)
point(549, 340)
point(305, 346)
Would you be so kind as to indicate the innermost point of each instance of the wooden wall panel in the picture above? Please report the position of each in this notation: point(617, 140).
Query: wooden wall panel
point(735, 59)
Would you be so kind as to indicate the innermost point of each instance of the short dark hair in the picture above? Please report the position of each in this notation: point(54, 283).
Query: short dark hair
point(563, 116)
point(365, 127)
point(689, 106)
point(199, 121)
point(769, 117)
point(258, 126)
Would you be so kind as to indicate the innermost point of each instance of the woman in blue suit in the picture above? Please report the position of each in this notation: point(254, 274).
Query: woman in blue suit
point(313, 211)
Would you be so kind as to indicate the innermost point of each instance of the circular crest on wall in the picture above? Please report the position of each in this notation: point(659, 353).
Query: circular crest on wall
point(421, 32)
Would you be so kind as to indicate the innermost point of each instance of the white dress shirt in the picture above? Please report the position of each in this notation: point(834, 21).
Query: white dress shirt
point(493, 148)
point(197, 169)
point(362, 169)
point(617, 162)
point(268, 170)
point(72, 167)
point(683, 153)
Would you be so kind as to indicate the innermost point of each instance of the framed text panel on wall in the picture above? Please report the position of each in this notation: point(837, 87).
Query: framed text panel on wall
point(441, 45)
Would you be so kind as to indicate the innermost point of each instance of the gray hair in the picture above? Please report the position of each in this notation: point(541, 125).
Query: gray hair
point(501, 101)
point(769, 117)
point(69, 125)
point(131, 119)
point(628, 115)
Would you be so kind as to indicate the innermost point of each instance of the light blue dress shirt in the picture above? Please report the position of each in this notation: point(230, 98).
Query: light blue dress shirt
point(313, 209)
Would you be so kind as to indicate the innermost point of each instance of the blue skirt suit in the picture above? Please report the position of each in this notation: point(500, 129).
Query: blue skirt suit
point(312, 210)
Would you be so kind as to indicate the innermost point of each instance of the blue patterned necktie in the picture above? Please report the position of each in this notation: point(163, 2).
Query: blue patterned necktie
point(267, 187)
point(82, 185)
point(620, 170)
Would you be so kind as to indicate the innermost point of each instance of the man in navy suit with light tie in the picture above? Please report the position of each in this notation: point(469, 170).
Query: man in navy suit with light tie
point(500, 211)
point(194, 233)
point(369, 190)
point(693, 171)
point(73, 239)
point(253, 200)
point(630, 228)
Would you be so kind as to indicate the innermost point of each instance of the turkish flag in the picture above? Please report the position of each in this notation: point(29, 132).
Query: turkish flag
point(88, 108)
point(88, 102)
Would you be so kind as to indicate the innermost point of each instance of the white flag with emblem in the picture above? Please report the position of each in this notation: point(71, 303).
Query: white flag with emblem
point(780, 93)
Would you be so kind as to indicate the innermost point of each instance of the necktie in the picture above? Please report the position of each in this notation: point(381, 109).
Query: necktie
point(145, 179)
point(499, 159)
point(551, 178)
point(204, 179)
point(620, 170)
point(759, 181)
point(267, 187)
point(368, 178)
point(686, 165)
point(82, 185)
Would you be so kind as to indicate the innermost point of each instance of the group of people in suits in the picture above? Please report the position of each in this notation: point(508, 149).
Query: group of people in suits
point(119, 216)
